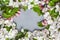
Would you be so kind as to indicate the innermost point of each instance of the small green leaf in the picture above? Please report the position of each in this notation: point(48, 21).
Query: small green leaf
point(25, 30)
point(37, 9)
point(7, 39)
point(19, 35)
point(14, 0)
point(55, 0)
point(19, 0)
point(14, 10)
point(34, 39)
point(40, 24)
point(8, 28)
point(9, 12)
point(25, 8)
point(47, 27)
point(54, 14)
point(0, 26)
point(26, 35)
point(5, 2)
point(51, 3)
point(58, 29)
point(6, 16)
point(32, 2)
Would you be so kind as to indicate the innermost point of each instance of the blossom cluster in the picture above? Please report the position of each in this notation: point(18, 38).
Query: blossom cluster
point(7, 29)
point(50, 9)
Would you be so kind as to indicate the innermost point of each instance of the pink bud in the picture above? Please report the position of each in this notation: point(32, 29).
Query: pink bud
point(44, 22)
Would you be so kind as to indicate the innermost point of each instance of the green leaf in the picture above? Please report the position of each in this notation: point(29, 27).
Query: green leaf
point(14, 0)
point(8, 28)
point(4, 7)
point(6, 16)
point(32, 2)
point(40, 24)
point(37, 9)
point(34, 39)
point(51, 3)
point(5, 2)
point(19, 0)
point(25, 30)
point(14, 10)
point(19, 35)
point(0, 26)
point(58, 29)
point(47, 27)
point(26, 35)
point(53, 13)
point(7, 39)
point(8, 12)
point(55, 0)
point(25, 8)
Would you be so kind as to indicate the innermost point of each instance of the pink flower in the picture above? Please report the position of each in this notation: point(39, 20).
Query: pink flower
point(44, 22)
point(18, 12)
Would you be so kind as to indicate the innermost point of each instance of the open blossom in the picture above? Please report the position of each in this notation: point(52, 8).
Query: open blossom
point(1, 21)
point(57, 8)
point(5, 32)
point(12, 33)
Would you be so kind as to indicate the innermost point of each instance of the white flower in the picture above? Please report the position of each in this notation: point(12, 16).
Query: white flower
point(53, 35)
point(42, 2)
point(52, 27)
point(46, 14)
point(30, 6)
point(26, 38)
point(44, 10)
point(50, 21)
point(24, 3)
point(58, 25)
point(59, 20)
point(29, 34)
point(22, 30)
point(12, 33)
point(2, 39)
point(8, 23)
point(36, 2)
point(15, 4)
point(11, 3)
point(23, 39)
point(30, 0)
point(13, 24)
point(1, 21)
point(57, 8)
point(1, 35)
point(4, 30)
point(39, 38)
point(6, 36)
point(19, 39)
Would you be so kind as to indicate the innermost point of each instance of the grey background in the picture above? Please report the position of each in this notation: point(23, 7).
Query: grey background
point(28, 20)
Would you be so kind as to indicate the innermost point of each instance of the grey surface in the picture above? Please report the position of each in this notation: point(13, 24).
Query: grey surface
point(28, 20)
